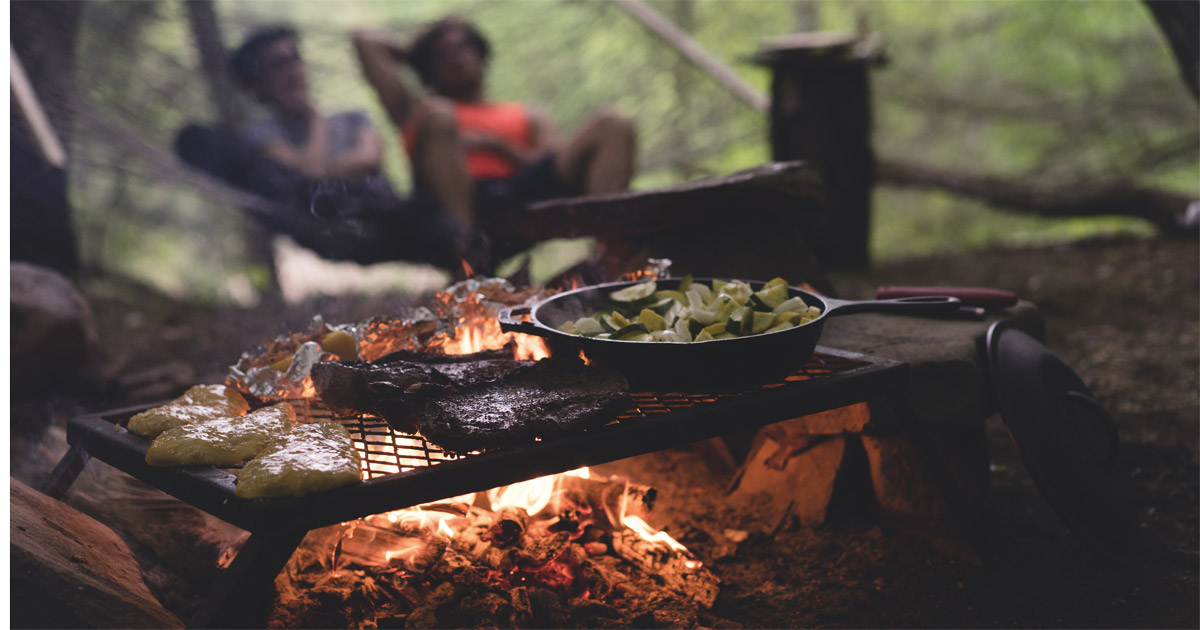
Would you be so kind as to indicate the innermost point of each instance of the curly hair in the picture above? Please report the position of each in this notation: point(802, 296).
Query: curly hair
point(244, 64)
point(421, 55)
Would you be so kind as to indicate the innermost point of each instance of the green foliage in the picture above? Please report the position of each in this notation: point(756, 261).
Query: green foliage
point(1053, 93)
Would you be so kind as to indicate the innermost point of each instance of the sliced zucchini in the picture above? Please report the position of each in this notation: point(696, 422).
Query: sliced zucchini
point(635, 327)
point(772, 295)
point(652, 320)
point(589, 326)
point(760, 322)
point(635, 296)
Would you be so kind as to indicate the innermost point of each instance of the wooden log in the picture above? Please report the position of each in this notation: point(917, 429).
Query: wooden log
point(609, 498)
point(776, 204)
point(1163, 208)
point(680, 571)
point(70, 571)
point(789, 477)
point(508, 526)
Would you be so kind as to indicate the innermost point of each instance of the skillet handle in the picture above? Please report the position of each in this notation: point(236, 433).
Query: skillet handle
point(920, 305)
point(509, 323)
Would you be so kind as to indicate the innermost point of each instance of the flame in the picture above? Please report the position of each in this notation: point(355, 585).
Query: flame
point(470, 273)
point(307, 389)
point(423, 520)
point(533, 495)
point(482, 332)
point(643, 529)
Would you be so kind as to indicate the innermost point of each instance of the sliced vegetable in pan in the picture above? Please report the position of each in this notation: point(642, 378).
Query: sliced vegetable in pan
point(695, 311)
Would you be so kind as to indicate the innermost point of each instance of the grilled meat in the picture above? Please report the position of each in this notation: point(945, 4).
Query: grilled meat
point(551, 397)
point(384, 387)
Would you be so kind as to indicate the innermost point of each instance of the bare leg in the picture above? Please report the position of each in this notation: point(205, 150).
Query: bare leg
point(439, 159)
point(599, 157)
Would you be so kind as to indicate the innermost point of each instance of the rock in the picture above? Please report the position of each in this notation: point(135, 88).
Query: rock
point(948, 382)
point(70, 571)
point(53, 332)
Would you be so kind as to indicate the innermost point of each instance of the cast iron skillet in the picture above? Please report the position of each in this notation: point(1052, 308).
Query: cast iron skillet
point(704, 365)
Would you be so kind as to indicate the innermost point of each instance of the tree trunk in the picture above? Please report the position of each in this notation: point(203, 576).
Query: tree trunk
point(207, 32)
point(43, 38)
point(1179, 21)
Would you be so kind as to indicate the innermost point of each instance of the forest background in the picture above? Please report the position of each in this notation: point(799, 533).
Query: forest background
point(1055, 94)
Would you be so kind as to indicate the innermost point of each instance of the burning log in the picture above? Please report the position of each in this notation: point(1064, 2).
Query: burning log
point(616, 496)
point(425, 614)
point(661, 555)
point(508, 527)
point(536, 551)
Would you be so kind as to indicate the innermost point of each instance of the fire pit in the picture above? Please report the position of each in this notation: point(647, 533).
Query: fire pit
point(403, 471)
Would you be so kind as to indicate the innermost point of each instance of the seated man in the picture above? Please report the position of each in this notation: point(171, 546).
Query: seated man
point(478, 157)
point(327, 168)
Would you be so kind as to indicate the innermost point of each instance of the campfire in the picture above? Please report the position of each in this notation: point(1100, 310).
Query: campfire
point(564, 550)
point(423, 541)
point(560, 550)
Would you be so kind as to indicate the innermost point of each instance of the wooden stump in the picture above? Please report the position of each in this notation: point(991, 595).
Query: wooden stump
point(821, 112)
point(70, 571)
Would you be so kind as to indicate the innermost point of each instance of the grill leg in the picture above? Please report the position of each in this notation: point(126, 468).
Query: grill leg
point(64, 474)
point(246, 591)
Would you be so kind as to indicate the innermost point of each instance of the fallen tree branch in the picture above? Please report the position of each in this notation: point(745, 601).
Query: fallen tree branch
point(1162, 208)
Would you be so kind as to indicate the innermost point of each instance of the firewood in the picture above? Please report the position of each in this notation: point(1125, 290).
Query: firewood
point(612, 497)
point(70, 571)
point(425, 615)
point(522, 607)
point(508, 526)
point(539, 550)
point(678, 570)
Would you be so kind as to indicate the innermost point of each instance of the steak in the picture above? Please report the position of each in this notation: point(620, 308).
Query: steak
point(552, 397)
point(384, 387)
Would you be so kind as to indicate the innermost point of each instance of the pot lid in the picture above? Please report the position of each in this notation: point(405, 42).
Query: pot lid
point(1066, 439)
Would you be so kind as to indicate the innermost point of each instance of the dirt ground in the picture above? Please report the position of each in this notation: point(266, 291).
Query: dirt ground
point(1124, 314)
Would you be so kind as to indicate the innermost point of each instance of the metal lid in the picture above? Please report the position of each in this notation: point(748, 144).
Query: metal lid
point(1067, 440)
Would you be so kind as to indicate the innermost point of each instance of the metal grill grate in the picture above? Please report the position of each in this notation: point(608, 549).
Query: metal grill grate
point(384, 451)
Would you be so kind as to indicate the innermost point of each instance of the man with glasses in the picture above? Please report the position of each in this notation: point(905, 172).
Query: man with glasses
point(327, 167)
point(295, 134)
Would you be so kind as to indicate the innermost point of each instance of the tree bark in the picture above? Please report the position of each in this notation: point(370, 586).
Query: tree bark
point(207, 32)
point(1179, 21)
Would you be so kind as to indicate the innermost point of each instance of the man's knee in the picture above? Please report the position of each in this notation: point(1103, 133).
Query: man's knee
point(613, 124)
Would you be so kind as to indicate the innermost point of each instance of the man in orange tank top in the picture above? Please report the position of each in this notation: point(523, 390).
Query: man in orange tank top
point(478, 157)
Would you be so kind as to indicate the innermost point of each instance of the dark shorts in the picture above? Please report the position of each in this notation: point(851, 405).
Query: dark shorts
point(536, 182)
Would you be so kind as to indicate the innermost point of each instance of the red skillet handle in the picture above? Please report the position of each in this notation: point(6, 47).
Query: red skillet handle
point(969, 296)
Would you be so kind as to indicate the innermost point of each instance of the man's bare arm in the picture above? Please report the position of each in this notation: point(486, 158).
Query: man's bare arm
point(308, 159)
point(365, 158)
point(378, 54)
